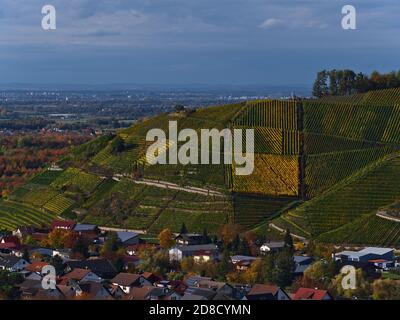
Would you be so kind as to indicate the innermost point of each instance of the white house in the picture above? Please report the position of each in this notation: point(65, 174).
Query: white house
point(202, 252)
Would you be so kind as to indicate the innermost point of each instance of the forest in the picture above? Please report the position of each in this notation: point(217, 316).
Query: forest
point(347, 82)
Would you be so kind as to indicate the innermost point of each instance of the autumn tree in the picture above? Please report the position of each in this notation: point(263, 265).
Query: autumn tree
point(362, 289)
point(386, 289)
point(166, 239)
point(229, 232)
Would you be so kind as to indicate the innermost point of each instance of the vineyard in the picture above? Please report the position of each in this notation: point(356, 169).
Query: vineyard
point(322, 168)
point(364, 195)
point(360, 122)
point(370, 230)
point(323, 171)
point(273, 175)
point(278, 114)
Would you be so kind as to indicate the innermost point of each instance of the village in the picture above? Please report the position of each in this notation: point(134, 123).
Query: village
point(93, 264)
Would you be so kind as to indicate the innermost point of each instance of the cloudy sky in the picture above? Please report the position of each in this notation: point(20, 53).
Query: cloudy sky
point(262, 42)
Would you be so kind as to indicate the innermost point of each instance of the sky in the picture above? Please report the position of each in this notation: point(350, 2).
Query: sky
point(224, 42)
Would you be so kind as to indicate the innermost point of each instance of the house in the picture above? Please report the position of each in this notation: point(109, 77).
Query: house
point(375, 256)
point(243, 262)
point(134, 249)
point(266, 292)
point(10, 243)
point(41, 251)
point(192, 281)
point(311, 294)
point(126, 281)
point(202, 250)
point(23, 231)
point(273, 246)
point(86, 230)
point(151, 277)
point(36, 267)
point(95, 291)
point(200, 256)
point(64, 254)
point(67, 225)
point(81, 275)
point(86, 291)
point(130, 261)
point(12, 263)
point(101, 267)
point(196, 293)
point(188, 239)
point(222, 288)
point(128, 238)
point(147, 292)
point(301, 264)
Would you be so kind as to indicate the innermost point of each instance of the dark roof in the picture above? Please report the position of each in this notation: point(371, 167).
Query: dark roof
point(101, 267)
point(194, 280)
point(125, 235)
point(8, 261)
point(198, 247)
point(85, 227)
point(203, 292)
point(125, 279)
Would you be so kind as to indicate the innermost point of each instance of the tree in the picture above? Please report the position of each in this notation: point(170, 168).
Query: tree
point(111, 244)
point(81, 248)
point(320, 87)
point(166, 240)
point(333, 83)
point(225, 265)
point(205, 238)
point(288, 240)
point(284, 267)
point(117, 145)
point(184, 230)
point(57, 262)
point(179, 108)
point(26, 256)
point(386, 289)
point(321, 273)
point(156, 262)
point(229, 232)
point(363, 288)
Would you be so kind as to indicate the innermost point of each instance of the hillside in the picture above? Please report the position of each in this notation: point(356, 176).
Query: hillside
point(322, 167)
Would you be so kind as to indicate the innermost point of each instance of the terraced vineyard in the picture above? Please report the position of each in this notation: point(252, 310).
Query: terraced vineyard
point(322, 168)
point(272, 175)
point(323, 171)
point(362, 196)
point(13, 214)
point(370, 230)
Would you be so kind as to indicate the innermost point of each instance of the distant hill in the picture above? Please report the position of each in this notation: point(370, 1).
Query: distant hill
point(323, 168)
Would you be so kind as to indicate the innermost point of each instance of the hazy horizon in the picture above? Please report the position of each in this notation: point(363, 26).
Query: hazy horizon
point(256, 42)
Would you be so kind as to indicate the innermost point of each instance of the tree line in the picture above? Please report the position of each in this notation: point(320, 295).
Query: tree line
point(346, 82)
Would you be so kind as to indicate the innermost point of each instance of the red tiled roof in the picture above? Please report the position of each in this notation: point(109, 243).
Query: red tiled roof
point(263, 289)
point(77, 274)
point(10, 242)
point(310, 294)
point(36, 266)
point(125, 279)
